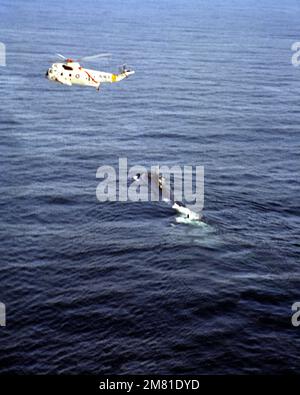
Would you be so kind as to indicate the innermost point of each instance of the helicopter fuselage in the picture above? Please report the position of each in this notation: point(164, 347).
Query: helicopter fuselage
point(71, 73)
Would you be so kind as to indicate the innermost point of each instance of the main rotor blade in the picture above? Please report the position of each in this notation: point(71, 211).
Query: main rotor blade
point(61, 56)
point(100, 55)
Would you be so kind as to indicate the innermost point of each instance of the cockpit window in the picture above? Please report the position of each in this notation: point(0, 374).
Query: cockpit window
point(67, 67)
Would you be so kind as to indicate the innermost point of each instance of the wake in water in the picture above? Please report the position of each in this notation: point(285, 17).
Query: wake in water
point(188, 221)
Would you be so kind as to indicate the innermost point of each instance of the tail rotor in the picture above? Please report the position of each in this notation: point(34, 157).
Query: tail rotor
point(124, 69)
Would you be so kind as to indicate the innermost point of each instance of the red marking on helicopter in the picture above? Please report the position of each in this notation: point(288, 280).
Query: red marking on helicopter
point(91, 77)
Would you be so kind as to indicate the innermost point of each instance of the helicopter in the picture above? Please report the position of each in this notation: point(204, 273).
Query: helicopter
point(70, 72)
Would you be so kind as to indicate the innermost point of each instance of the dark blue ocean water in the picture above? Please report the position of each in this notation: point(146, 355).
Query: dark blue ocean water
point(121, 287)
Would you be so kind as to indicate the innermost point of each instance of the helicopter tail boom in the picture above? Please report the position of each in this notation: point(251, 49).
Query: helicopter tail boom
point(124, 72)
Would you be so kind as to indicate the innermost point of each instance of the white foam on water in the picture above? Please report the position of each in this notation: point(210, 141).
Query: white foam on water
point(188, 221)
